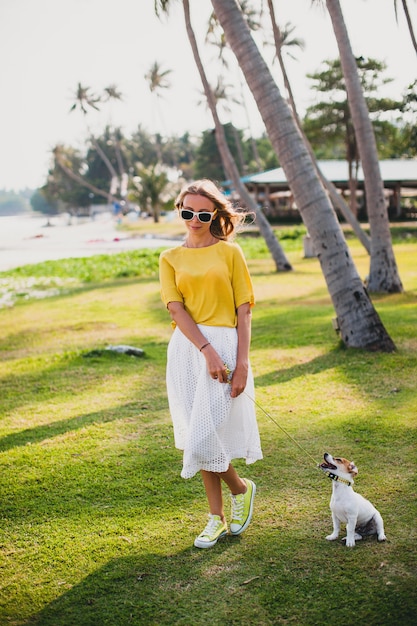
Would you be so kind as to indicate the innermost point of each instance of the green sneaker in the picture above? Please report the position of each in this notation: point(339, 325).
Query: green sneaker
point(214, 530)
point(242, 509)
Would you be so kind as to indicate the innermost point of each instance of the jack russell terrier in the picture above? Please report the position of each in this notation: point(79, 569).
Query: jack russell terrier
point(347, 506)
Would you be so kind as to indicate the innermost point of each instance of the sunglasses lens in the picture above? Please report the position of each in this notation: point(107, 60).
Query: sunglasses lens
point(187, 215)
point(205, 217)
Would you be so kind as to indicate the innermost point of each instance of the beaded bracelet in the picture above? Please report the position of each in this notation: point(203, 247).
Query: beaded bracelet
point(204, 346)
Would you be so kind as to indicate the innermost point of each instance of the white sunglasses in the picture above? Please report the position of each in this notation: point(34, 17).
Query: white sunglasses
point(203, 216)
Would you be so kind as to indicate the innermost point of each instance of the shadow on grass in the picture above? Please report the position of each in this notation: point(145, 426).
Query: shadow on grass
point(307, 320)
point(280, 571)
point(238, 582)
point(76, 372)
point(25, 339)
point(299, 328)
point(282, 375)
point(121, 475)
point(38, 434)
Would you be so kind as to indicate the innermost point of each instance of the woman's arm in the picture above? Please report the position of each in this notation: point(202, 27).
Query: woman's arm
point(244, 323)
point(189, 328)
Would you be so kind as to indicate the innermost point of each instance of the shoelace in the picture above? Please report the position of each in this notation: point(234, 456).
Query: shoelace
point(237, 506)
point(211, 527)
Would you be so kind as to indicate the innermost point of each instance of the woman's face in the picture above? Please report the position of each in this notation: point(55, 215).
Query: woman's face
point(198, 204)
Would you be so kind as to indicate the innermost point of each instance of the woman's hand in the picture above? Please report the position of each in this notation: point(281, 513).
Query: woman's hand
point(215, 366)
point(239, 379)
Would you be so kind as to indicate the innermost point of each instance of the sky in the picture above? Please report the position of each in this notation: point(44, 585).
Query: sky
point(48, 46)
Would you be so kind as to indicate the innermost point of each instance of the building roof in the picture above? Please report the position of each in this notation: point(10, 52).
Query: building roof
point(393, 172)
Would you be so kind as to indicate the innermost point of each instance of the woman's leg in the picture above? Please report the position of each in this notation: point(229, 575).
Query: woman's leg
point(213, 487)
point(217, 526)
point(242, 498)
point(233, 481)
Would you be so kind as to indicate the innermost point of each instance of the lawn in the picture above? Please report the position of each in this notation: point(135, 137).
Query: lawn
point(97, 526)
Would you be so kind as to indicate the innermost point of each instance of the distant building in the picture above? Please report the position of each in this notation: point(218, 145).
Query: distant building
point(271, 191)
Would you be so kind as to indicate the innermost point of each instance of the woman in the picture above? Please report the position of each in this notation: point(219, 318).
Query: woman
point(206, 287)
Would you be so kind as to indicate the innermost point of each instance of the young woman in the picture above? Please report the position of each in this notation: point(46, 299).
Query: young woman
point(207, 289)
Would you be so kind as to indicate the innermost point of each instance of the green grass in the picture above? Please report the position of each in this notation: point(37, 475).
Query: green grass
point(96, 524)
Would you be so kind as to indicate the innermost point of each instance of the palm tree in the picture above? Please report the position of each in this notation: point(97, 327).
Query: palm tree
point(158, 82)
point(157, 78)
point(85, 100)
point(149, 186)
point(383, 272)
point(112, 93)
point(409, 22)
point(281, 261)
point(215, 36)
point(223, 97)
point(229, 165)
point(60, 159)
point(282, 38)
point(357, 320)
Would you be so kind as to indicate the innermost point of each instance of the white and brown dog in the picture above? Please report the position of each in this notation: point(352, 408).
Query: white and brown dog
point(347, 506)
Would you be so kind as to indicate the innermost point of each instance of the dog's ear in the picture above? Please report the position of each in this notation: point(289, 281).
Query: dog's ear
point(353, 469)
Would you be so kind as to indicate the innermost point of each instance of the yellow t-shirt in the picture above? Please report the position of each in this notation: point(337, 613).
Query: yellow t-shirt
point(211, 282)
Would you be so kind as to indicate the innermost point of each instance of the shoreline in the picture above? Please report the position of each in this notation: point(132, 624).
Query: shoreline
point(27, 239)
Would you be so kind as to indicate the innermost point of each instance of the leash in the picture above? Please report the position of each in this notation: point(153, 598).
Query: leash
point(328, 473)
point(229, 372)
point(281, 428)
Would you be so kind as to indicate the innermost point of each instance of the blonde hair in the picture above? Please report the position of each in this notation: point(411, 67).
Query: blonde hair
point(228, 219)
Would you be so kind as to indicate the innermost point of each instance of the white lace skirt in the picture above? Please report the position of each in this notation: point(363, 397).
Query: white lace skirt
point(209, 426)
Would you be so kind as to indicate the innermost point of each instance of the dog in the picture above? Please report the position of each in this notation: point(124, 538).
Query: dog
point(347, 506)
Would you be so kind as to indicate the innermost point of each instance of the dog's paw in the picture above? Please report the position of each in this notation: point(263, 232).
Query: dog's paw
point(382, 537)
point(332, 537)
point(350, 541)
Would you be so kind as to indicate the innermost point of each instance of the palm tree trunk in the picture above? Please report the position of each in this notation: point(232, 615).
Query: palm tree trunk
point(409, 24)
point(119, 157)
point(231, 170)
point(383, 272)
point(254, 147)
point(358, 321)
point(81, 180)
point(335, 197)
point(239, 150)
point(105, 159)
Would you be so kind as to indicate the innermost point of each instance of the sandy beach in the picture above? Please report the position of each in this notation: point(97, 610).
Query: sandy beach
point(25, 240)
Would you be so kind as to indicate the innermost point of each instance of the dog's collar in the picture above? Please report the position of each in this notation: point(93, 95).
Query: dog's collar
point(345, 481)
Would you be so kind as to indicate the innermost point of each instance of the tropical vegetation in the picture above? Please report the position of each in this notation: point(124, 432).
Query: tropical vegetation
point(356, 317)
point(112, 157)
